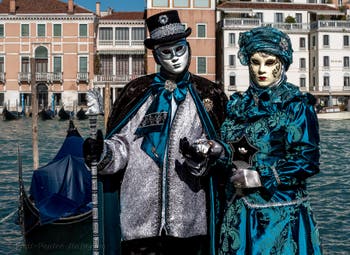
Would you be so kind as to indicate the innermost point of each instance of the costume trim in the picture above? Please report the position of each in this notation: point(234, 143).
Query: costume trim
point(170, 29)
point(276, 175)
point(274, 204)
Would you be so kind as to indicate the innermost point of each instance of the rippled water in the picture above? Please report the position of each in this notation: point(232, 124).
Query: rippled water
point(329, 190)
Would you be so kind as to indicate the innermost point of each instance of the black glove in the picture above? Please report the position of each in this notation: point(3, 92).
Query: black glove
point(93, 148)
point(198, 154)
point(190, 152)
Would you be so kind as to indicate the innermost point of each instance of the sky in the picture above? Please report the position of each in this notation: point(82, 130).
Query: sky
point(116, 5)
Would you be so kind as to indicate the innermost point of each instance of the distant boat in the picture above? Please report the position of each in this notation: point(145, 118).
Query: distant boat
point(58, 209)
point(46, 114)
point(81, 114)
point(9, 115)
point(63, 114)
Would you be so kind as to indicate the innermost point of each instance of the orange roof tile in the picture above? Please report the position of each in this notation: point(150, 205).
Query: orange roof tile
point(40, 6)
point(125, 16)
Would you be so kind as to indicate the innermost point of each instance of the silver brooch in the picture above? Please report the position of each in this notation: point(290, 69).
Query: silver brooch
point(170, 85)
point(163, 19)
point(208, 104)
point(284, 44)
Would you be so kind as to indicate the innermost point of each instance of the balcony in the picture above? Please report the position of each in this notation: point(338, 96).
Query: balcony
point(57, 77)
point(83, 77)
point(116, 46)
point(333, 25)
point(43, 77)
point(249, 23)
point(124, 78)
point(47, 77)
point(238, 22)
point(24, 77)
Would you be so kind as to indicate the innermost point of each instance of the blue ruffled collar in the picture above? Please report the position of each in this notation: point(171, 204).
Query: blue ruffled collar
point(257, 101)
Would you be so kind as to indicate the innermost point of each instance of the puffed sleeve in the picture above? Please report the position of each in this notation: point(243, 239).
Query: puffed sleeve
point(301, 157)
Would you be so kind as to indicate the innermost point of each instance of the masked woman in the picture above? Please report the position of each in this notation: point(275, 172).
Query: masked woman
point(272, 130)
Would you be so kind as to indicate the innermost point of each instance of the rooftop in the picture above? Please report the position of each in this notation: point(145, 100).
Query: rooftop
point(40, 6)
point(124, 16)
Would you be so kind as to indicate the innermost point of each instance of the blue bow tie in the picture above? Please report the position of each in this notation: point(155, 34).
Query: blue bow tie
point(155, 125)
point(166, 88)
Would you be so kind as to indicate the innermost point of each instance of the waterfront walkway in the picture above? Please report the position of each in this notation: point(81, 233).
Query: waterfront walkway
point(344, 115)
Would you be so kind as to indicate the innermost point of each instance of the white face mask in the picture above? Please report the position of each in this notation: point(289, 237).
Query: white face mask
point(173, 57)
point(265, 69)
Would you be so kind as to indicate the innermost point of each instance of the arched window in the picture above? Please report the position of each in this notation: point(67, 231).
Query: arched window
point(41, 53)
point(41, 59)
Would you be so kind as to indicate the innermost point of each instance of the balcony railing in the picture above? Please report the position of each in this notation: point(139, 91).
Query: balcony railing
point(330, 24)
point(57, 77)
point(24, 77)
point(239, 23)
point(83, 77)
point(115, 78)
point(120, 43)
point(42, 77)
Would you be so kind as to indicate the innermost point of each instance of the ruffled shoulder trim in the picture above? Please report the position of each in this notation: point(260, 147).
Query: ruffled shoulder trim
point(291, 93)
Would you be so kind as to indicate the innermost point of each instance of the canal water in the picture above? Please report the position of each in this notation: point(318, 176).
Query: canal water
point(329, 190)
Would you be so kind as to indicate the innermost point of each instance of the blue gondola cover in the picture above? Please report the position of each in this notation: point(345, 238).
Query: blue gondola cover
point(62, 188)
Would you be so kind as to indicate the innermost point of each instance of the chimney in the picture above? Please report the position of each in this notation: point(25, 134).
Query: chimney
point(13, 6)
point(98, 9)
point(109, 11)
point(70, 6)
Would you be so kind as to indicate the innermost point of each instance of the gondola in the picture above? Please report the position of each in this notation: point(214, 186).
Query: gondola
point(8, 115)
point(81, 114)
point(56, 213)
point(63, 114)
point(46, 114)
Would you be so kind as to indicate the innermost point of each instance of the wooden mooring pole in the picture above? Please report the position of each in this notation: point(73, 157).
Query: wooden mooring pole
point(107, 103)
point(34, 115)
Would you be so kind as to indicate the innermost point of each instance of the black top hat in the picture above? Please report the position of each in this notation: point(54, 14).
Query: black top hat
point(165, 27)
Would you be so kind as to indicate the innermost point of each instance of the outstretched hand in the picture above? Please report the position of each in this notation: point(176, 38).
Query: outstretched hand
point(93, 148)
point(198, 154)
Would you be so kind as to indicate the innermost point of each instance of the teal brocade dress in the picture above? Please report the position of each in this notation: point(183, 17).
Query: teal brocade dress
point(280, 122)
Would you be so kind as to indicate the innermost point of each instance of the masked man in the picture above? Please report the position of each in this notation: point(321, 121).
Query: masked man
point(166, 206)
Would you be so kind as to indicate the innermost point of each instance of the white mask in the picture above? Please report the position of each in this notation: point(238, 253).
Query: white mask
point(173, 57)
point(265, 69)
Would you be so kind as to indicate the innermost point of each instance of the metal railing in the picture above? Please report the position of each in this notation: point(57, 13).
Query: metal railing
point(83, 77)
point(239, 23)
point(115, 78)
point(330, 24)
point(24, 77)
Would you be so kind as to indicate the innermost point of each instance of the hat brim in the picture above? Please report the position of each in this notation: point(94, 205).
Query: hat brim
point(150, 43)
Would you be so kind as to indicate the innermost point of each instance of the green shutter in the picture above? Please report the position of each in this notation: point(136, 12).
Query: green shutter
point(57, 64)
point(83, 30)
point(57, 31)
point(25, 30)
point(1, 30)
point(83, 65)
point(41, 29)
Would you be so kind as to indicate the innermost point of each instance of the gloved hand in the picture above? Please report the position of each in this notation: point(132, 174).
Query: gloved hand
point(243, 177)
point(93, 148)
point(198, 154)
